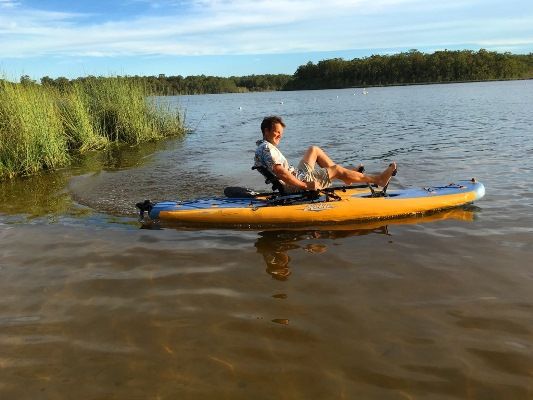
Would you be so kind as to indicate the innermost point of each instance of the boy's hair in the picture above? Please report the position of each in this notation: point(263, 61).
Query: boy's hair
point(269, 122)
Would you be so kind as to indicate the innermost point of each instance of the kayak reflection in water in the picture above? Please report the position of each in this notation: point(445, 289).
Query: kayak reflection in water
point(275, 245)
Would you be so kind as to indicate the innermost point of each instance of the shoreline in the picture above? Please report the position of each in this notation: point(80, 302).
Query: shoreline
point(437, 83)
point(353, 87)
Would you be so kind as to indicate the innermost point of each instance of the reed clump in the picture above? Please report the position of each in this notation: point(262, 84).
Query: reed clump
point(31, 131)
point(41, 126)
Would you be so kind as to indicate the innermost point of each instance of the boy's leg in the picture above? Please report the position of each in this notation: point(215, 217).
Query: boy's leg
point(349, 176)
point(315, 155)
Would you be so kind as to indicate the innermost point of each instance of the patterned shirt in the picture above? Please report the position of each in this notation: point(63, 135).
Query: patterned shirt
point(267, 155)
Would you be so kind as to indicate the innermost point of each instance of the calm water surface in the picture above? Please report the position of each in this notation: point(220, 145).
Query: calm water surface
point(440, 307)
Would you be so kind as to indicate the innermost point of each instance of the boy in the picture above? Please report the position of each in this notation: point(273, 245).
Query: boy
point(305, 176)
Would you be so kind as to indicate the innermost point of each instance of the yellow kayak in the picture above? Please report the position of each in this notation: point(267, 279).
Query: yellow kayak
point(342, 204)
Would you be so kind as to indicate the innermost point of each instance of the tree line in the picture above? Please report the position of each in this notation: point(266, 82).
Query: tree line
point(412, 67)
point(163, 85)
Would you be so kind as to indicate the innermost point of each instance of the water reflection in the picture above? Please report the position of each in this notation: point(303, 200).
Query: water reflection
point(275, 245)
point(121, 156)
point(34, 196)
point(54, 194)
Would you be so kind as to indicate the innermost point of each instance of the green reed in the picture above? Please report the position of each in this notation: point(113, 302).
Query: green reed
point(41, 127)
point(120, 111)
point(31, 130)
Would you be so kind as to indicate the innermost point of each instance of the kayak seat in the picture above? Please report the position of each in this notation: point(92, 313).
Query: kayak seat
point(271, 179)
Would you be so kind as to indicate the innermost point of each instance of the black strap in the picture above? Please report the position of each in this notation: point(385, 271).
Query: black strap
point(271, 179)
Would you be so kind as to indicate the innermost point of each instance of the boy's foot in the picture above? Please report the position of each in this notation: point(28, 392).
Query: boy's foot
point(383, 179)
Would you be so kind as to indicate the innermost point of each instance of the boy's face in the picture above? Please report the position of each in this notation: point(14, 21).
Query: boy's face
point(274, 135)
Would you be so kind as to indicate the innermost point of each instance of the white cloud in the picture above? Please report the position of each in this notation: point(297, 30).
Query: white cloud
point(218, 27)
point(9, 3)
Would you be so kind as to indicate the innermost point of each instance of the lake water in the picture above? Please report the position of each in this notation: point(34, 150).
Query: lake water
point(438, 307)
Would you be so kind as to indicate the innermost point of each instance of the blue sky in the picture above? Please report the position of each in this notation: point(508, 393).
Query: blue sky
point(241, 37)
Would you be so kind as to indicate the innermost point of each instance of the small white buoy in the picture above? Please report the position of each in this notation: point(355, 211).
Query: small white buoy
point(240, 108)
point(280, 102)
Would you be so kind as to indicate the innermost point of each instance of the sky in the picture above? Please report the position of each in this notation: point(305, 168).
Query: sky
point(242, 37)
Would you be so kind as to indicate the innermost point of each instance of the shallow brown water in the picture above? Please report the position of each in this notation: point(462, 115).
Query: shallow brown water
point(363, 312)
point(439, 307)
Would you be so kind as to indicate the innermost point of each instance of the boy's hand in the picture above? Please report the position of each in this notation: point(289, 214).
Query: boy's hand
point(312, 186)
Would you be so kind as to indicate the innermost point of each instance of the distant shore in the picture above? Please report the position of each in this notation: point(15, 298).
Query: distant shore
point(439, 83)
point(403, 69)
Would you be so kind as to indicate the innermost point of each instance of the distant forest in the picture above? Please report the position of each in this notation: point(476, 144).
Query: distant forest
point(413, 67)
point(163, 85)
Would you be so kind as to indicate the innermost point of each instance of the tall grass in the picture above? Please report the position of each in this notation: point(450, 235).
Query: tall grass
point(120, 111)
point(31, 131)
point(77, 121)
point(41, 126)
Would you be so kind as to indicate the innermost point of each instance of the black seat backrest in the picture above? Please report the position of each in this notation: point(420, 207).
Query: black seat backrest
point(270, 178)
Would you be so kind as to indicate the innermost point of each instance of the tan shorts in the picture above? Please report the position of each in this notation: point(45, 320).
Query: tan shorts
point(306, 173)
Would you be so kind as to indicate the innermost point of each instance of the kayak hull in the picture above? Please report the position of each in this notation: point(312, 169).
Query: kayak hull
point(354, 205)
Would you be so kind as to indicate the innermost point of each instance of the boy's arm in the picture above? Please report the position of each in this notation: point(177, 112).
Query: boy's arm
point(290, 179)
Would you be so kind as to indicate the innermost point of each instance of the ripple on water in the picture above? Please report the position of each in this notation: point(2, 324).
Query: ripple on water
point(435, 307)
